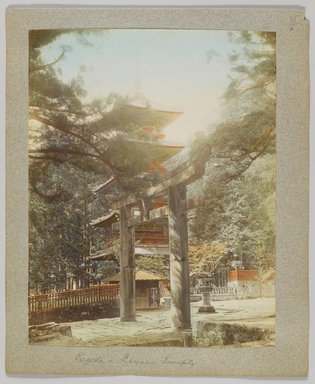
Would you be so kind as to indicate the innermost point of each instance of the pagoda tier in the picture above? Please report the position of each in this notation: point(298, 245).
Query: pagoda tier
point(151, 237)
point(152, 116)
point(113, 216)
point(140, 274)
point(109, 254)
point(151, 233)
point(106, 220)
point(151, 119)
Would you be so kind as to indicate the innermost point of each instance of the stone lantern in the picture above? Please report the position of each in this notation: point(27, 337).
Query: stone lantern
point(206, 306)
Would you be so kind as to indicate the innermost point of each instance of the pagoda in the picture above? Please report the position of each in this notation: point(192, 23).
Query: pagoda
point(140, 217)
point(151, 238)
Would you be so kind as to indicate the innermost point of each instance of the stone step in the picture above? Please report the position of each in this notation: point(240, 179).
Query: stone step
point(48, 331)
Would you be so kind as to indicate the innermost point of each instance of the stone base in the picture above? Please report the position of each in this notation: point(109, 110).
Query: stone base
point(206, 334)
point(206, 309)
point(127, 319)
point(48, 331)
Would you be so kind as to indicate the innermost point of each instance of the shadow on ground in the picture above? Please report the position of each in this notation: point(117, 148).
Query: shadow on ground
point(236, 323)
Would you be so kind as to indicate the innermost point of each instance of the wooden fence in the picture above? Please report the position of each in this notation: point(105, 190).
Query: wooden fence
point(56, 300)
point(213, 290)
point(216, 294)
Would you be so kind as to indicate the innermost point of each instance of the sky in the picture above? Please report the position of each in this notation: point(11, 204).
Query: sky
point(169, 68)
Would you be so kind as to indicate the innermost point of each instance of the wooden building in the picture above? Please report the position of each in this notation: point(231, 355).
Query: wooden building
point(147, 235)
point(148, 288)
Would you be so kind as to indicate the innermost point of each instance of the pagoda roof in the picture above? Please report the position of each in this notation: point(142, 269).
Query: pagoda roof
point(155, 250)
point(113, 217)
point(140, 251)
point(140, 275)
point(109, 183)
point(144, 104)
point(160, 152)
point(102, 254)
point(153, 117)
point(153, 114)
point(107, 220)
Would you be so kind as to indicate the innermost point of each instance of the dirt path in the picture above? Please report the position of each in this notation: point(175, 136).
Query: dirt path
point(154, 326)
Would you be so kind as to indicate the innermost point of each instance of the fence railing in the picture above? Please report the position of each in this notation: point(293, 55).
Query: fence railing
point(213, 290)
point(218, 290)
point(56, 300)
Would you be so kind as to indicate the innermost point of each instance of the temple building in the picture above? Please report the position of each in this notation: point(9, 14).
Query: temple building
point(148, 288)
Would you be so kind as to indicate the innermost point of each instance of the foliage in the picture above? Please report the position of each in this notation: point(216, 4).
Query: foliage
point(248, 132)
point(103, 136)
point(239, 192)
point(246, 226)
point(76, 144)
point(205, 257)
point(59, 233)
point(73, 146)
point(241, 215)
point(154, 264)
point(104, 269)
point(207, 221)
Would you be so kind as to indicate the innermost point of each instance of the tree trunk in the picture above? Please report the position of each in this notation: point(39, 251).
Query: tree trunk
point(260, 274)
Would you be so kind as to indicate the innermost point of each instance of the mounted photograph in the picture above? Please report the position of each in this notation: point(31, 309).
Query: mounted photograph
point(152, 188)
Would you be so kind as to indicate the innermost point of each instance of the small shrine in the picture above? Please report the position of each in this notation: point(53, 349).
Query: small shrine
point(148, 288)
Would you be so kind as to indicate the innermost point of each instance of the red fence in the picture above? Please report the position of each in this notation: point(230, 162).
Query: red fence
point(55, 300)
point(243, 275)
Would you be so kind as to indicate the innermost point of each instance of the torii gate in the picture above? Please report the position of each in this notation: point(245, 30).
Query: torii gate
point(174, 184)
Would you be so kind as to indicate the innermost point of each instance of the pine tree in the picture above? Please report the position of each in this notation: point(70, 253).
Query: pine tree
point(248, 131)
point(74, 146)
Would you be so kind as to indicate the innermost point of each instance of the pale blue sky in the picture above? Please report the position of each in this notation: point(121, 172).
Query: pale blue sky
point(171, 66)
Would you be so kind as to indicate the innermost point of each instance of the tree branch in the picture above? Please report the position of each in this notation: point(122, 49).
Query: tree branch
point(264, 138)
point(35, 69)
point(252, 159)
point(256, 86)
point(113, 170)
point(66, 151)
point(77, 113)
point(40, 157)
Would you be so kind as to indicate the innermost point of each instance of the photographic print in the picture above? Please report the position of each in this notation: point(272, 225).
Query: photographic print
point(157, 191)
point(152, 187)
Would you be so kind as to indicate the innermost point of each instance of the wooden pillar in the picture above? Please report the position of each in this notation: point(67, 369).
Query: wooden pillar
point(179, 264)
point(127, 269)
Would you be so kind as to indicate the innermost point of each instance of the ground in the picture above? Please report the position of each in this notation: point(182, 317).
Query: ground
point(153, 327)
